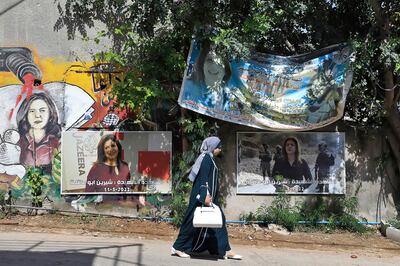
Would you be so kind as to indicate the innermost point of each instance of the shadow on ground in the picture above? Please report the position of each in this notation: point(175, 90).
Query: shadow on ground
point(21, 253)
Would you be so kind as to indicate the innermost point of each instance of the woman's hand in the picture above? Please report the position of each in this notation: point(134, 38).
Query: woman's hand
point(208, 201)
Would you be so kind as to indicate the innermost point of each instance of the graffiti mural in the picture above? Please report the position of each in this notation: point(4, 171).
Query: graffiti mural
point(40, 98)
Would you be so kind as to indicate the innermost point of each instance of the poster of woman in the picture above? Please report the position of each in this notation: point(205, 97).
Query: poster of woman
point(95, 162)
point(301, 163)
point(109, 173)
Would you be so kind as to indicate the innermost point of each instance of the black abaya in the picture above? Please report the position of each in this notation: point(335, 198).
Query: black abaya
point(191, 239)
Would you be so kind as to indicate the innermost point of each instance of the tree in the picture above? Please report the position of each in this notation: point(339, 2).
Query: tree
point(151, 40)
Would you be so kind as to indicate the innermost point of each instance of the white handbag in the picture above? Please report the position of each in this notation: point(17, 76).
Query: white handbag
point(210, 217)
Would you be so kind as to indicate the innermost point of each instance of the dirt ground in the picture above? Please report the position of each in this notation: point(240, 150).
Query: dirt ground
point(372, 243)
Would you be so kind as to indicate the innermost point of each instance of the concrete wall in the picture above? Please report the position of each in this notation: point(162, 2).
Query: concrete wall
point(29, 23)
point(78, 87)
point(378, 193)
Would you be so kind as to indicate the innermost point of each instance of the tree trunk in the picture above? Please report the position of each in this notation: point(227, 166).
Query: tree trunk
point(389, 89)
point(390, 99)
point(383, 25)
point(394, 122)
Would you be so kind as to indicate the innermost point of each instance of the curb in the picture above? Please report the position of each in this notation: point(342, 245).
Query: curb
point(393, 233)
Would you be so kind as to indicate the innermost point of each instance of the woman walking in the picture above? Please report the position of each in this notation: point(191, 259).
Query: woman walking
point(204, 176)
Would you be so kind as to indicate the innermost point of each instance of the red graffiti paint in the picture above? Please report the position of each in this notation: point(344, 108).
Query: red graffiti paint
point(27, 89)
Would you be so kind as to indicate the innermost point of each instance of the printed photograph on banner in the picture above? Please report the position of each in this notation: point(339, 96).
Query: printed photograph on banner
point(293, 163)
point(279, 93)
point(95, 162)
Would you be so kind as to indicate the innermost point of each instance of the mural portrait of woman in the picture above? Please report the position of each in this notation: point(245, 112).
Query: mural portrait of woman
point(37, 120)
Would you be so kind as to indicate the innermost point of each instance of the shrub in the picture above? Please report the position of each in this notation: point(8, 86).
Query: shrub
point(394, 222)
point(338, 212)
point(279, 212)
point(35, 182)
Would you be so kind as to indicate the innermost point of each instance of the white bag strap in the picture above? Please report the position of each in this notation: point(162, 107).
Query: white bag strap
point(213, 180)
point(213, 183)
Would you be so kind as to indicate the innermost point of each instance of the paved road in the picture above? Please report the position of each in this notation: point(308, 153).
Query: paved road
point(18, 248)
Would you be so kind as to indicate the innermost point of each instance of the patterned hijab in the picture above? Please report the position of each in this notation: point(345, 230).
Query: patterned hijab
point(207, 147)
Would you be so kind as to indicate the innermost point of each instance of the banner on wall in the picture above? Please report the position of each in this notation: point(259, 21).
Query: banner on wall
point(96, 162)
point(279, 93)
point(296, 163)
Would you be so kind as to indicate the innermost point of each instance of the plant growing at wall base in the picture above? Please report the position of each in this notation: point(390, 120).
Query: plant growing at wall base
point(34, 180)
point(346, 217)
point(338, 213)
point(6, 200)
point(3, 206)
point(395, 222)
point(279, 212)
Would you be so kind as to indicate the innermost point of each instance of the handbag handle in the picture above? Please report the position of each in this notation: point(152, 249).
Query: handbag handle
point(212, 192)
point(202, 204)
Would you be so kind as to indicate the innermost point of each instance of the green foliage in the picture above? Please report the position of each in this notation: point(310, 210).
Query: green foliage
point(395, 222)
point(349, 223)
point(179, 202)
point(50, 185)
point(6, 200)
point(151, 45)
point(251, 216)
point(318, 212)
point(52, 182)
point(337, 213)
point(135, 95)
point(279, 212)
point(2, 205)
point(35, 182)
point(153, 67)
point(365, 104)
point(56, 170)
